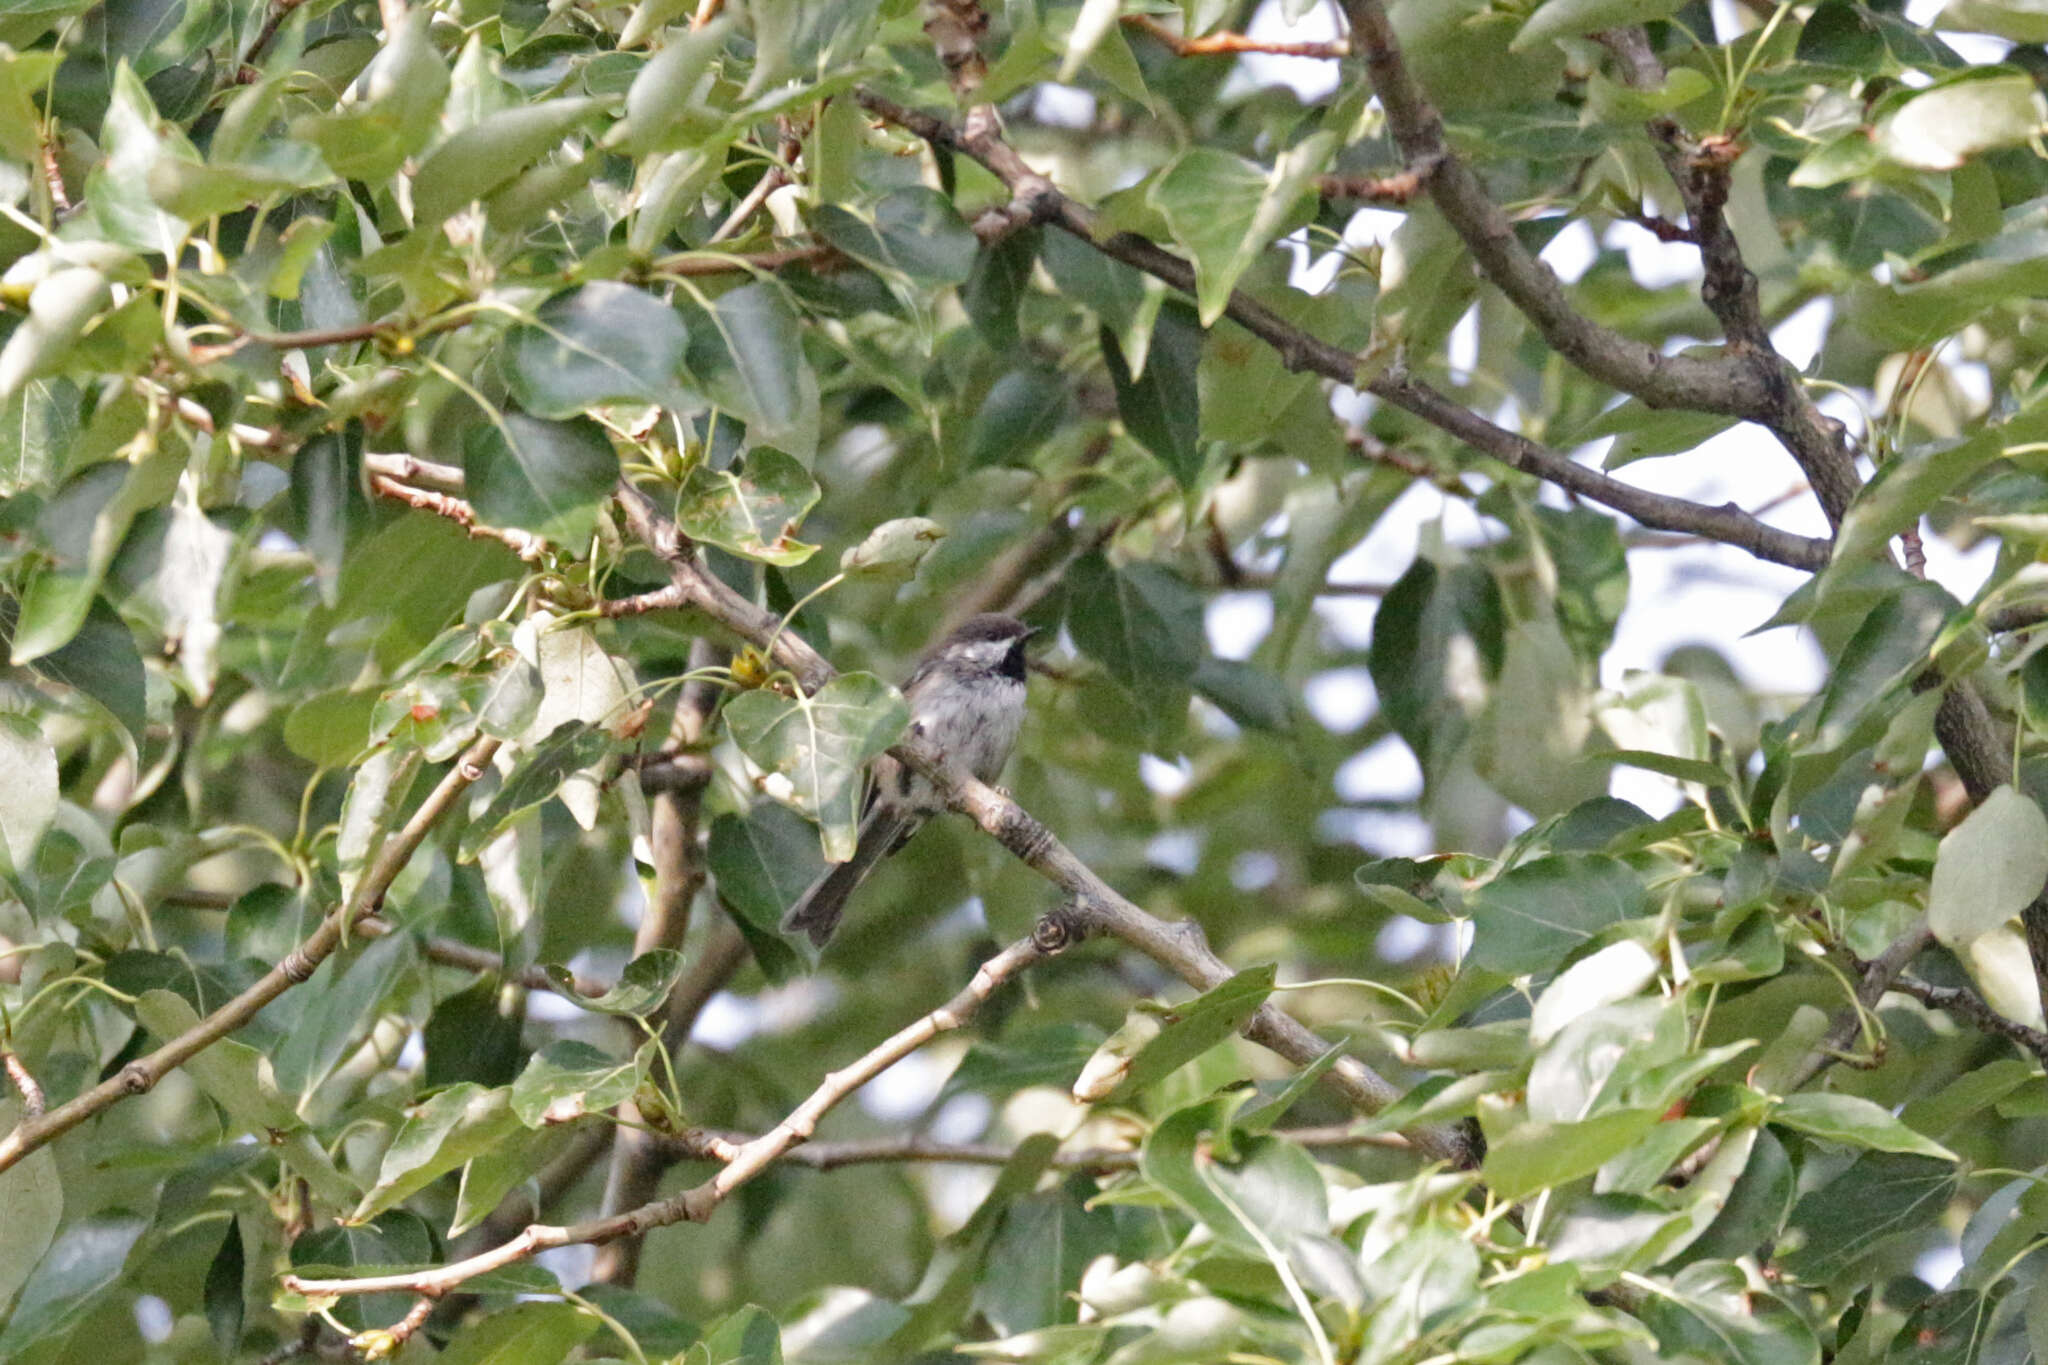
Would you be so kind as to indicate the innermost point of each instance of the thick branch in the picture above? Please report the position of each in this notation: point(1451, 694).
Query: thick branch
point(141, 1075)
point(1302, 351)
point(748, 1161)
point(1709, 384)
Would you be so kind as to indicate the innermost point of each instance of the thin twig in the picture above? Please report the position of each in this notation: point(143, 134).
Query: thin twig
point(1226, 44)
point(831, 1156)
point(25, 1084)
point(772, 179)
point(279, 10)
point(525, 544)
point(1971, 1006)
point(443, 478)
point(448, 953)
point(1399, 188)
point(749, 1161)
point(140, 1076)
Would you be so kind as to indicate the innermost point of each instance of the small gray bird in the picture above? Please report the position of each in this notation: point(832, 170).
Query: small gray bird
point(967, 697)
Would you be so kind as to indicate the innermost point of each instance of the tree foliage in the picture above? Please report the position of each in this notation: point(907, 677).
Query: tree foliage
point(471, 469)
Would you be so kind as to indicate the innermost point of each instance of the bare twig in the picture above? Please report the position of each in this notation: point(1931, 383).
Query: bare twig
point(141, 1075)
point(443, 478)
point(1399, 188)
point(707, 10)
point(1302, 352)
point(484, 962)
point(831, 1156)
point(1969, 1005)
point(772, 179)
point(748, 1161)
point(525, 544)
point(690, 265)
point(1225, 44)
point(25, 1084)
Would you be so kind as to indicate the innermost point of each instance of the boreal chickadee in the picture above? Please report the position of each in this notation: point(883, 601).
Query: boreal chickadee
point(967, 697)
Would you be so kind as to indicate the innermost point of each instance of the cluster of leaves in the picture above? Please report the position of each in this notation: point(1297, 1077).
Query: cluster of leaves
point(331, 332)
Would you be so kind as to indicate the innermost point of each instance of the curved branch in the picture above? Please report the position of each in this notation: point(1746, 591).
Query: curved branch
point(140, 1076)
point(747, 1161)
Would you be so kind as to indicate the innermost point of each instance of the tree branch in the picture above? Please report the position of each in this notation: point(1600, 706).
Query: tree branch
point(140, 1076)
point(749, 1160)
point(1302, 351)
point(831, 1156)
point(1225, 44)
point(637, 1156)
point(1969, 1005)
point(1709, 384)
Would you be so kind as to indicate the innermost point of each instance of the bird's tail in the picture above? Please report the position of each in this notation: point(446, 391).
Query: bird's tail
point(817, 911)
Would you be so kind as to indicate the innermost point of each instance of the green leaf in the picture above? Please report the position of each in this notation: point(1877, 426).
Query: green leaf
point(328, 729)
point(1438, 639)
point(818, 746)
point(914, 232)
point(602, 342)
point(1856, 1121)
point(1537, 1155)
point(748, 1336)
point(571, 747)
point(641, 987)
point(485, 155)
point(1191, 1029)
point(1141, 622)
point(524, 1334)
point(753, 510)
point(37, 428)
point(1267, 1189)
point(223, 1292)
point(117, 190)
point(566, 1080)
point(1161, 408)
point(32, 1192)
point(80, 1266)
point(28, 798)
point(1642, 432)
point(1224, 211)
point(761, 864)
point(1535, 914)
point(1940, 128)
point(402, 92)
point(344, 1000)
point(545, 477)
point(1711, 1311)
point(2022, 21)
point(997, 285)
point(746, 350)
point(1021, 412)
point(665, 105)
point(892, 551)
point(438, 1136)
point(1989, 867)
point(1572, 18)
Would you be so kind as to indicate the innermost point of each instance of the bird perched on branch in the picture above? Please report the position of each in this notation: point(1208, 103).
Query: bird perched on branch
point(966, 696)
